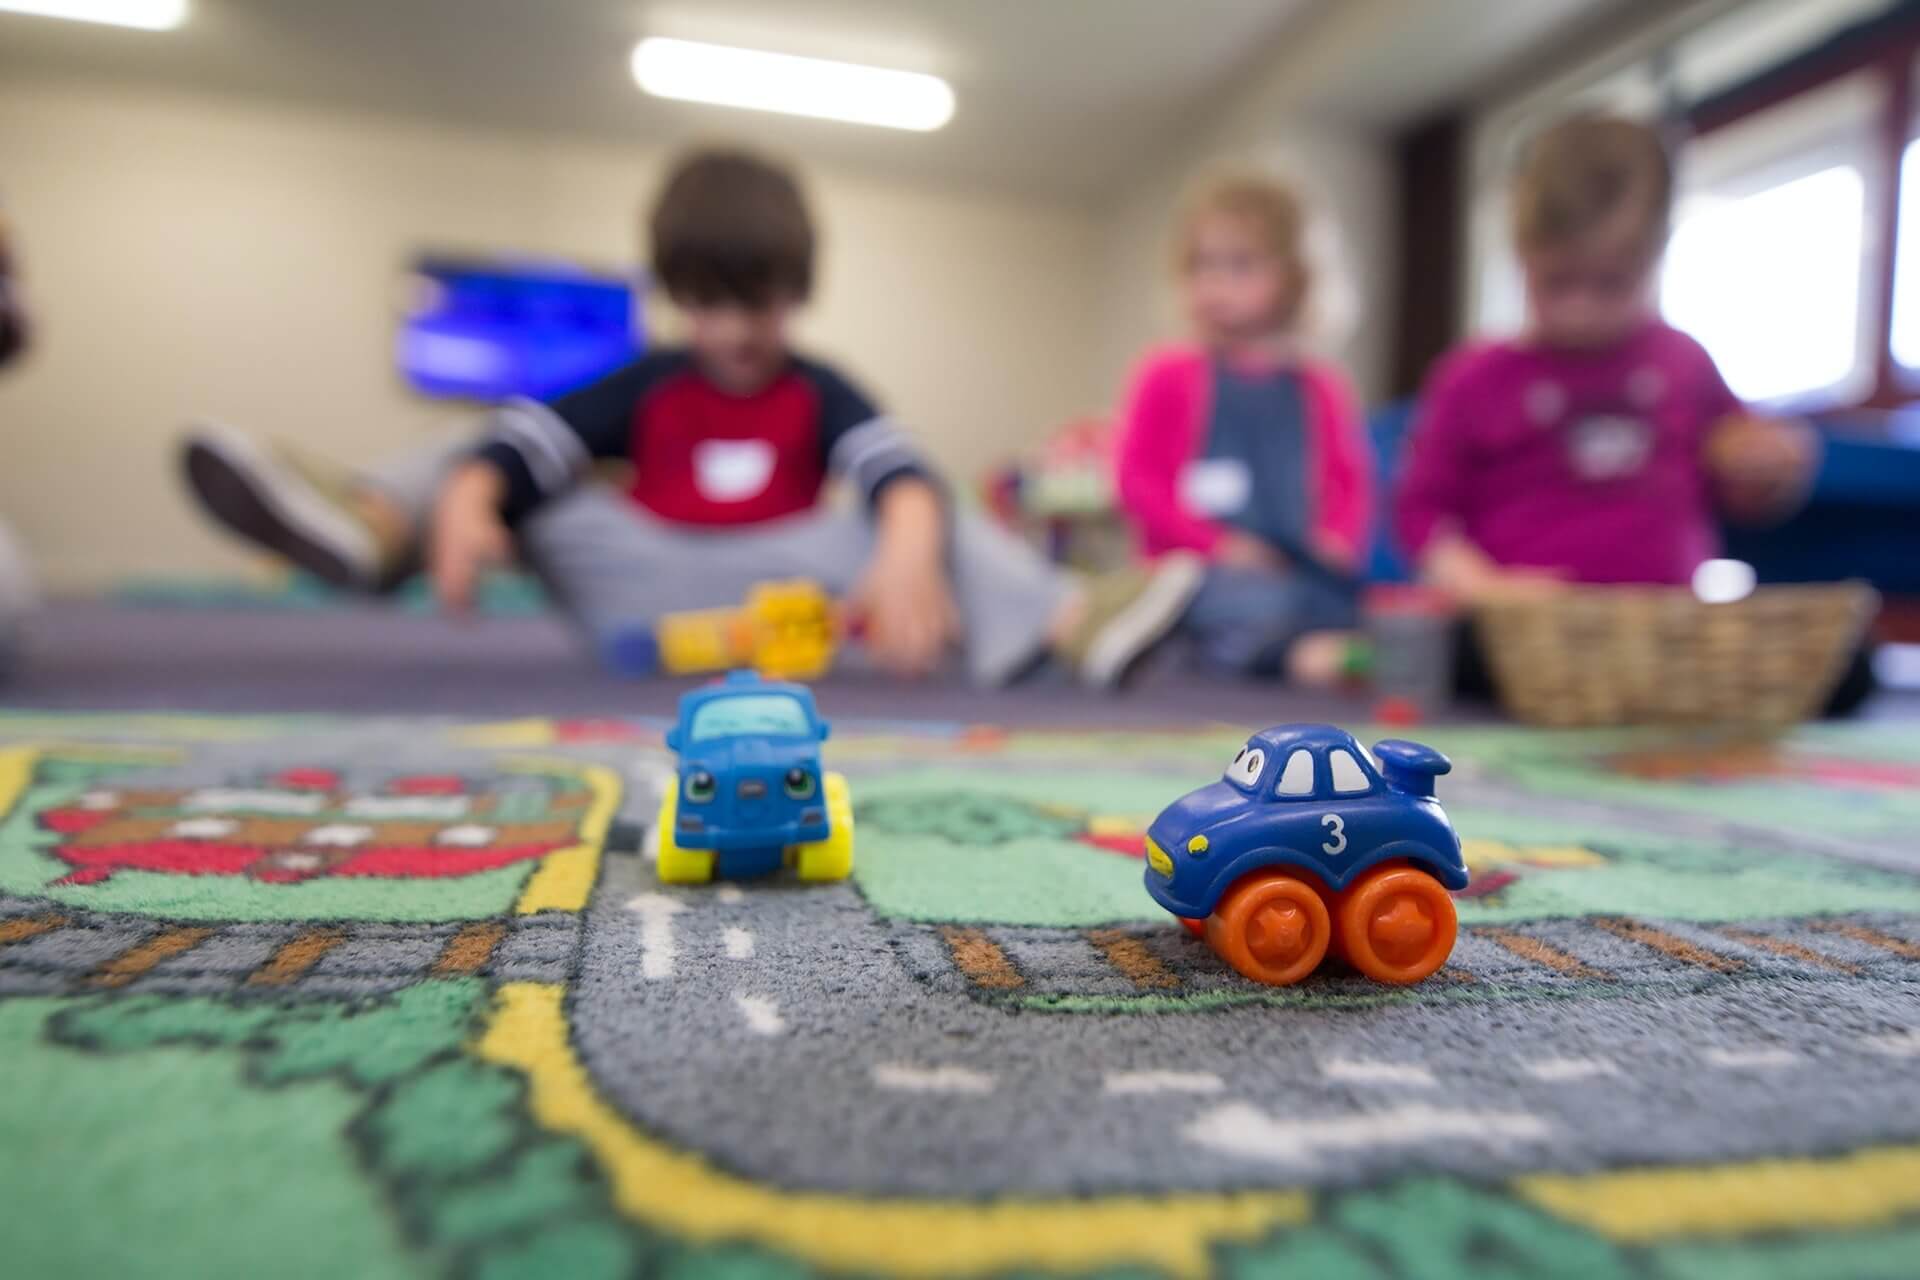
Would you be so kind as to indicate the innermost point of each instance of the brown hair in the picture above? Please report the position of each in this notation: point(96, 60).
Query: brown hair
point(1575, 175)
point(731, 226)
point(1276, 215)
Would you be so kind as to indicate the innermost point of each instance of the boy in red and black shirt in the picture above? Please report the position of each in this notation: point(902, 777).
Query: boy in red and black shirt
point(732, 440)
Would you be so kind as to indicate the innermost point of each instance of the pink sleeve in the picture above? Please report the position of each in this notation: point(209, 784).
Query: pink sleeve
point(1344, 501)
point(1157, 435)
point(1718, 400)
point(1434, 469)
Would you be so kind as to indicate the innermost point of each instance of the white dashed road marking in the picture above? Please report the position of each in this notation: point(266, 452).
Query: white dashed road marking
point(1242, 1129)
point(739, 942)
point(1361, 1071)
point(340, 835)
point(203, 828)
point(1761, 1057)
point(762, 1014)
point(657, 947)
point(893, 1075)
point(1900, 1044)
point(1163, 1082)
point(1557, 1069)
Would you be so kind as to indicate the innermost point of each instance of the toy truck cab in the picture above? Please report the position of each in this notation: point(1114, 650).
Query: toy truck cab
point(750, 795)
point(1309, 841)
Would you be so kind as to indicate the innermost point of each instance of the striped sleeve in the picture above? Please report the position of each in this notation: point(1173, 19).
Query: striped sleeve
point(860, 443)
point(544, 449)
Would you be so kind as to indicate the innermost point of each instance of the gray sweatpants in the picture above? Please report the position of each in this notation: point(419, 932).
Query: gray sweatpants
point(615, 568)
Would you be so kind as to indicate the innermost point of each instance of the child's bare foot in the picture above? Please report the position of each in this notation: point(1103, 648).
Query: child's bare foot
point(313, 514)
point(1318, 659)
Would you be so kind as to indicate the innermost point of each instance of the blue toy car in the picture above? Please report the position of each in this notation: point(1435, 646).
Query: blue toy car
point(1307, 844)
point(749, 795)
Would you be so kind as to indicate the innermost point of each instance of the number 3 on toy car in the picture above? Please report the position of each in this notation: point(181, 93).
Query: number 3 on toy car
point(1336, 827)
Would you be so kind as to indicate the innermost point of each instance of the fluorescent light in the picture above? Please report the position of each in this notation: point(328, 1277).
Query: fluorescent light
point(148, 15)
point(729, 77)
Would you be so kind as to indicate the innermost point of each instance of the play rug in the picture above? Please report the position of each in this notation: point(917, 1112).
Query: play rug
point(403, 998)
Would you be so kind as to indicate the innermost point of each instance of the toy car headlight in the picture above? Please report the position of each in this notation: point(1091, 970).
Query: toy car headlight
point(1157, 858)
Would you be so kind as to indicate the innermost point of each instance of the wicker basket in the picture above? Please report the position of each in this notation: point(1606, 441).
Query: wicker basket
point(1658, 655)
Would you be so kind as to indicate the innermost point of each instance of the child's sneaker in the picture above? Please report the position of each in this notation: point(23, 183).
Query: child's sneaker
point(308, 512)
point(1129, 614)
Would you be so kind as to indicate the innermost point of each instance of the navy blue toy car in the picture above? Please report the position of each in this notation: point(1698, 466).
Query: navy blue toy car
point(1307, 844)
point(750, 796)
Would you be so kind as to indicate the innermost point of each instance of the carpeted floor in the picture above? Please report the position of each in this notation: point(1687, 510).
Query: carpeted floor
point(401, 995)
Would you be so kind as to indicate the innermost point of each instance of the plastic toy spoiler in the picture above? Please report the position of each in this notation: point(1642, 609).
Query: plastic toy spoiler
point(1410, 767)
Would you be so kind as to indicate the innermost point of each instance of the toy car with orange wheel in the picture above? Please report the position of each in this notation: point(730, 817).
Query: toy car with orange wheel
point(1309, 844)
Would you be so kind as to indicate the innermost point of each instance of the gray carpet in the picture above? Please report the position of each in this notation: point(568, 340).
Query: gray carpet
point(94, 655)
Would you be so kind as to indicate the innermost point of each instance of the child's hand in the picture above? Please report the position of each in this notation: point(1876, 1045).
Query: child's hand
point(1238, 549)
point(908, 612)
point(904, 598)
point(1461, 569)
point(467, 535)
point(1761, 466)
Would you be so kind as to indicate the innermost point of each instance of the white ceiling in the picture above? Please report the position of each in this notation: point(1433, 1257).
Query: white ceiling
point(1057, 97)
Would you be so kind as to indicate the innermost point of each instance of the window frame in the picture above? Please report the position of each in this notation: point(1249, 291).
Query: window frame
point(1887, 50)
point(1905, 377)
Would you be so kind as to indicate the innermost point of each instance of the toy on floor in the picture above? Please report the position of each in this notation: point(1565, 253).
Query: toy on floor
point(1305, 846)
point(749, 794)
point(785, 630)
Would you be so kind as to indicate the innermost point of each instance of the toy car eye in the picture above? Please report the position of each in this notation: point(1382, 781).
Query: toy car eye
point(1245, 769)
point(799, 784)
point(700, 786)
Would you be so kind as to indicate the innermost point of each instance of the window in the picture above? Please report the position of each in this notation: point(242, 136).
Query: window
point(1769, 283)
point(775, 714)
point(1348, 776)
point(1770, 251)
point(1906, 275)
point(1297, 778)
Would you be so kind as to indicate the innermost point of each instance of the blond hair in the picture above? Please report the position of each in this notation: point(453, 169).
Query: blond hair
point(1274, 212)
point(1577, 174)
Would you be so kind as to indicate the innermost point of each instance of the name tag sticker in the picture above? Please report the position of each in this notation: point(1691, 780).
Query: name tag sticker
point(732, 470)
point(1216, 486)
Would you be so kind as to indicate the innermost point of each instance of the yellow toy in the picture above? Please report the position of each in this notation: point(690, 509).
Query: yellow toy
point(784, 630)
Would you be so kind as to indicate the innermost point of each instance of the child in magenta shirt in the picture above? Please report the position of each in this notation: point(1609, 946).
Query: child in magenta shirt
point(1601, 445)
point(1241, 449)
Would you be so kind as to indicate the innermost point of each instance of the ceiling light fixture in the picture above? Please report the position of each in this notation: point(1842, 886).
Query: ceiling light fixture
point(148, 15)
point(760, 81)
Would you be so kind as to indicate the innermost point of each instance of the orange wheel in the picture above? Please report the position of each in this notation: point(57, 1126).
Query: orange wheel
point(1273, 928)
point(1396, 924)
point(1198, 928)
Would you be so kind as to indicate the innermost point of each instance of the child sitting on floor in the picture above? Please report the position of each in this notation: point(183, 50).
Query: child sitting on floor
point(1241, 448)
point(1600, 444)
point(732, 439)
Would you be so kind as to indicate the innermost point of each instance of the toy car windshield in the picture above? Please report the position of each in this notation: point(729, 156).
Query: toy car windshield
point(774, 714)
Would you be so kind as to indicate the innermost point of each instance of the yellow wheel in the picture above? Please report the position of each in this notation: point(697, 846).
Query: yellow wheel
point(678, 865)
point(832, 858)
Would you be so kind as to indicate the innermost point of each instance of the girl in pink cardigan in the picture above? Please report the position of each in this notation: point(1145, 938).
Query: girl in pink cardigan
point(1242, 450)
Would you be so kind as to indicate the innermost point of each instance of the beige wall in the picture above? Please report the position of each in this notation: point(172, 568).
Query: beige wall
point(231, 259)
